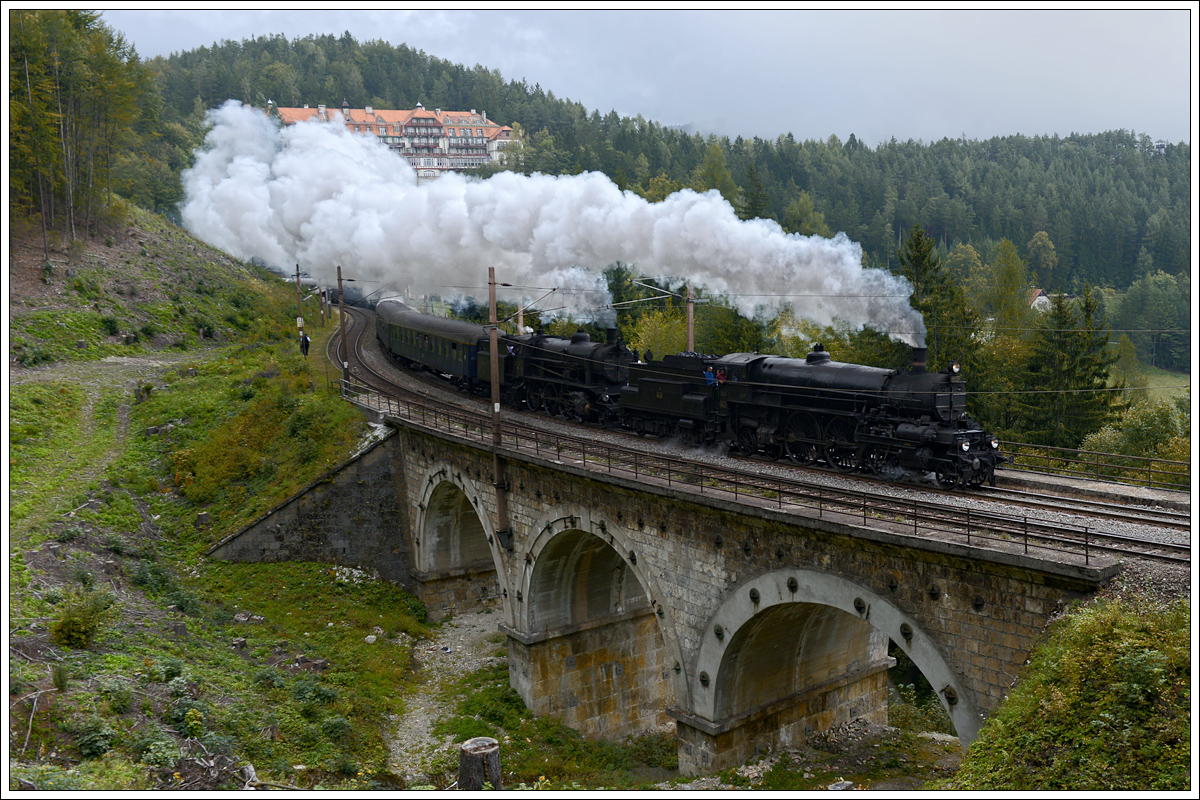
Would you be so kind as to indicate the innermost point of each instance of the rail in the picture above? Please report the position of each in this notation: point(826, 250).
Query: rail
point(1013, 533)
point(1154, 473)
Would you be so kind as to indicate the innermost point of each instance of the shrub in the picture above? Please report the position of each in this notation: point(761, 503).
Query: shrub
point(193, 722)
point(336, 727)
point(307, 690)
point(118, 694)
point(178, 687)
point(82, 617)
point(94, 738)
point(171, 668)
point(68, 534)
point(161, 753)
point(61, 677)
point(152, 577)
point(270, 678)
point(110, 325)
point(31, 356)
point(185, 601)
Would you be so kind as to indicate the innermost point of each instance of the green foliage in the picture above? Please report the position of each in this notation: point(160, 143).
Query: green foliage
point(270, 678)
point(539, 752)
point(754, 201)
point(161, 754)
point(117, 692)
point(1127, 372)
point(1156, 315)
point(336, 727)
point(1103, 705)
point(714, 174)
point(1043, 259)
point(110, 325)
point(802, 217)
point(60, 676)
point(951, 326)
point(918, 712)
point(1151, 429)
point(1067, 393)
point(309, 690)
point(94, 738)
point(82, 617)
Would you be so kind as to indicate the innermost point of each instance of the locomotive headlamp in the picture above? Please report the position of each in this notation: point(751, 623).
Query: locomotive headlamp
point(955, 368)
point(995, 444)
point(966, 446)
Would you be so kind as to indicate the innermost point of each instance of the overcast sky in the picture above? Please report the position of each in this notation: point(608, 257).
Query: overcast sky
point(877, 74)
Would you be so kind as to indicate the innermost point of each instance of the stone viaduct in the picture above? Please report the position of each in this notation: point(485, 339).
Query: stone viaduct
point(629, 603)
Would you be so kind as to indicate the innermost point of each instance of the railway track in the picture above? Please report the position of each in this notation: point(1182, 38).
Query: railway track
point(943, 516)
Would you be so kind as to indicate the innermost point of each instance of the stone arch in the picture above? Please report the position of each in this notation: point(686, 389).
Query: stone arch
point(594, 649)
point(458, 563)
point(451, 533)
point(804, 627)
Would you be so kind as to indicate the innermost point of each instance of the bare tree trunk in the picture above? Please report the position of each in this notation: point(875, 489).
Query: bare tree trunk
point(37, 161)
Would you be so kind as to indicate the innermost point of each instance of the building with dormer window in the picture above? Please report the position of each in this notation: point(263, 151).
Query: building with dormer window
point(433, 142)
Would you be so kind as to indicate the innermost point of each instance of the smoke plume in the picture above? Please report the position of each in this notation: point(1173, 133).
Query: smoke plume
point(317, 195)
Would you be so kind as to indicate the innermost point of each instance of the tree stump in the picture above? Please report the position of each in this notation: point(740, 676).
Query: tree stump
point(479, 762)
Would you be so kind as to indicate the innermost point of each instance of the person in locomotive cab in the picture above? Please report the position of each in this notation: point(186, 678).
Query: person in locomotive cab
point(304, 340)
point(721, 376)
point(709, 377)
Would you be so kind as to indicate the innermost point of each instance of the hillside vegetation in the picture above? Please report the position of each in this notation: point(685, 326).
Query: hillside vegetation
point(133, 658)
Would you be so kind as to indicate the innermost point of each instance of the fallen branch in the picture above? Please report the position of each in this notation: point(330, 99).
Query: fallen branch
point(32, 711)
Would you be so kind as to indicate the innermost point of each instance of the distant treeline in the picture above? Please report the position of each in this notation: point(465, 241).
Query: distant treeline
point(1105, 199)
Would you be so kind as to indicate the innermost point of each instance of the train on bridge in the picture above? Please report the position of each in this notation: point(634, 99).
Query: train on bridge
point(900, 425)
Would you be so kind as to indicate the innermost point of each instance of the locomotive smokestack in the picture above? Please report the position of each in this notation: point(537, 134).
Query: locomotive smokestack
point(612, 335)
point(919, 354)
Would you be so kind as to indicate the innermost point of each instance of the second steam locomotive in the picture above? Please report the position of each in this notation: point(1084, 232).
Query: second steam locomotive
point(851, 417)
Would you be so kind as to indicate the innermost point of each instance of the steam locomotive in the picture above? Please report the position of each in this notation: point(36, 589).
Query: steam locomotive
point(853, 418)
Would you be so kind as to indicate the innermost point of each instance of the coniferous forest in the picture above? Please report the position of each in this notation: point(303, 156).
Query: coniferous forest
point(1102, 217)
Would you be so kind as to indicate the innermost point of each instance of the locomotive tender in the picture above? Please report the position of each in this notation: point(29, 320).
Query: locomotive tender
point(892, 423)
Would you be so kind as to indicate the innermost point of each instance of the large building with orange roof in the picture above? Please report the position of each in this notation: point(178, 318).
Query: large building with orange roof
point(434, 142)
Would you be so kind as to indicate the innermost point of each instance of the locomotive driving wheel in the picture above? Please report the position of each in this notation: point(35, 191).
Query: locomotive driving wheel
point(535, 400)
point(839, 446)
point(801, 438)
point(747, 442)
point(947, 475)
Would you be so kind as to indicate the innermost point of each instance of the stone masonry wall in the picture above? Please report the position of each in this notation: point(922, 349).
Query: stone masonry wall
point(349, 517)
point(608, 681)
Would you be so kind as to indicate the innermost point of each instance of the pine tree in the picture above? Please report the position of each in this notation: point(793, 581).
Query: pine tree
point(950, 324)
point(754, 197)
point(1066, 390)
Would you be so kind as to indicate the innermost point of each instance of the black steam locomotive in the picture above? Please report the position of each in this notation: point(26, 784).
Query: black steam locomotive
point(894, 424)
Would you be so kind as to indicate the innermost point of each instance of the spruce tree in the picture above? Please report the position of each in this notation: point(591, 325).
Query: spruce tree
point(1066, 389)
point(950, 324)
point(754, 197)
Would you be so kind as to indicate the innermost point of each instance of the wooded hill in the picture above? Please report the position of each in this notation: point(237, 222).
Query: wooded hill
point(90, 121)
point(1112, 205)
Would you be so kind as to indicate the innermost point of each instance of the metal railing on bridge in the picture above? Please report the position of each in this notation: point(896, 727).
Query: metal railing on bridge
point(1154, 473)
point(1008, 532)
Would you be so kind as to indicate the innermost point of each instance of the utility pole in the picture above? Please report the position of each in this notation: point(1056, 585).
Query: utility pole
point(299, 298)
point(342, 348)
point(691, 319)
point(502, 532)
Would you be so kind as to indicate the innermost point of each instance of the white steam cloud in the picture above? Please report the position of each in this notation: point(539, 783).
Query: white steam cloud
point(317, 195)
